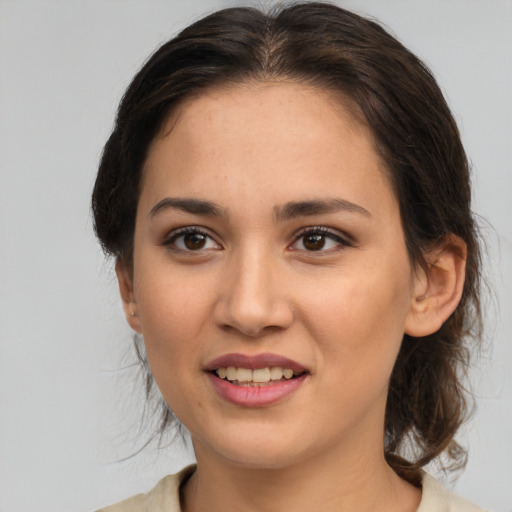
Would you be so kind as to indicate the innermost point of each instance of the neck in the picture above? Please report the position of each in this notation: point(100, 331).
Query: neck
point(335, 481)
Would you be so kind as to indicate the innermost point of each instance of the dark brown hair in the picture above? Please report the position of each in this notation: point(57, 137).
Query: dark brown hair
point(397, 97)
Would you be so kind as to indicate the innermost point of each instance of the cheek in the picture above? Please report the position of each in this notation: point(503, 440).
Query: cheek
point(173, 314)
point(172, 320)
point(359, 319)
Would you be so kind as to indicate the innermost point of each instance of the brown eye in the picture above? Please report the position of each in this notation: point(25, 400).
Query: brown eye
point(190, 239)
point(320, 239)
point(314, 242)
point(194, 241)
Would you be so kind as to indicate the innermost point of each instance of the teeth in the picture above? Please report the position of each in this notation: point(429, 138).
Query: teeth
point(287, 373)
point(230, 373)
point(259, 375)
point(276, 373)
point(244, 375)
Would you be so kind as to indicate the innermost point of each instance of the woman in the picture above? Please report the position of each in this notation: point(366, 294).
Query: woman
point(288, 202)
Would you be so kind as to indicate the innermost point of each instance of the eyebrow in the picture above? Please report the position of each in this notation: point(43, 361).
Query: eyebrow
point(288, 211)
point(296, 209)
point(195, 206)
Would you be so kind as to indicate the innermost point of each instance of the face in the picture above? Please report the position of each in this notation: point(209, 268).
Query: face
point(271, 280)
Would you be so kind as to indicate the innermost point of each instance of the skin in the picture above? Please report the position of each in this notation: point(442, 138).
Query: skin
point(340, 311)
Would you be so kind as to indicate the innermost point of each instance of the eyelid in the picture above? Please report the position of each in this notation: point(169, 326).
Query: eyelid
point(334, 234)
point(174, 234)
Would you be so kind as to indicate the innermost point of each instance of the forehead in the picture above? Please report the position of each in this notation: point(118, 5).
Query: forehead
point(258, 102)
point(291, 135)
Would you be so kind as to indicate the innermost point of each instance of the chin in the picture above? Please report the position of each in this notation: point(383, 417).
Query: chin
point(256, 450)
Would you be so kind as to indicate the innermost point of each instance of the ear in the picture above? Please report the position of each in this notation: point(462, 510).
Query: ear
point(125, 281)
point(437, 290)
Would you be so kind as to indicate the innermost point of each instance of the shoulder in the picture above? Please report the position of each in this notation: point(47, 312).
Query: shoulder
point(164, 497)
point(437, 498)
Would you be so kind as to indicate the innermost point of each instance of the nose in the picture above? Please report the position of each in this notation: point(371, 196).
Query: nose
point(252, 296)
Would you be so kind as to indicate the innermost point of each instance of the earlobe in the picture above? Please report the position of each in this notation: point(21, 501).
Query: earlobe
point(125, 282)
point(438, 289)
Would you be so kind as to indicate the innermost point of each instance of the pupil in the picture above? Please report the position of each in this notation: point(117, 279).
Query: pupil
point(314, 242)
point(194, 241)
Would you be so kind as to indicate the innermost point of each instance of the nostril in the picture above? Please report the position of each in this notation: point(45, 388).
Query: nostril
point(250, 301)
point(250, 331)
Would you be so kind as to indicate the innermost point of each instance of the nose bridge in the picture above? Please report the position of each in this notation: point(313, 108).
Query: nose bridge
point(252, 296)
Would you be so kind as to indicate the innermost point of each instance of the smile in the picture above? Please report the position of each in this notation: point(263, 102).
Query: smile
point(255, 380)
point(257, 377)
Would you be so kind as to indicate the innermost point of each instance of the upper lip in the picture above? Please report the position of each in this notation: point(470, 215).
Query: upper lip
point(254, 361)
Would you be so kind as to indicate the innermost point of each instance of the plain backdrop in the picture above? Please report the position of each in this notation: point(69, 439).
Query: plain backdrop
point(70, 403)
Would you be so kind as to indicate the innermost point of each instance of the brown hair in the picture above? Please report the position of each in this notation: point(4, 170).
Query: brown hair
point(414, 132)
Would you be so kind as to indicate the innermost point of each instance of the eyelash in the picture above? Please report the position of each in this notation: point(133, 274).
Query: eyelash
point(171, 239)
point(321, 231)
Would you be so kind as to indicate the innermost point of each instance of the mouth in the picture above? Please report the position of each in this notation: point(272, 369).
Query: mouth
point(267, 376)
point(255, 380)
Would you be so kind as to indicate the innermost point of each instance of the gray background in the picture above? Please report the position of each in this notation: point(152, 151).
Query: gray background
point(69, 402)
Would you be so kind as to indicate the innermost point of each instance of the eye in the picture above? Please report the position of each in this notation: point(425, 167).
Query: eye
point(190, 239)
point(319, 239)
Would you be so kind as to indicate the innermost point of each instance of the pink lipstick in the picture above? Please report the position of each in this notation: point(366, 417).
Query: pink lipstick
point(255, 380)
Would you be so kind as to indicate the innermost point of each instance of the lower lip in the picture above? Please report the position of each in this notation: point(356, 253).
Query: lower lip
point(255, 396)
